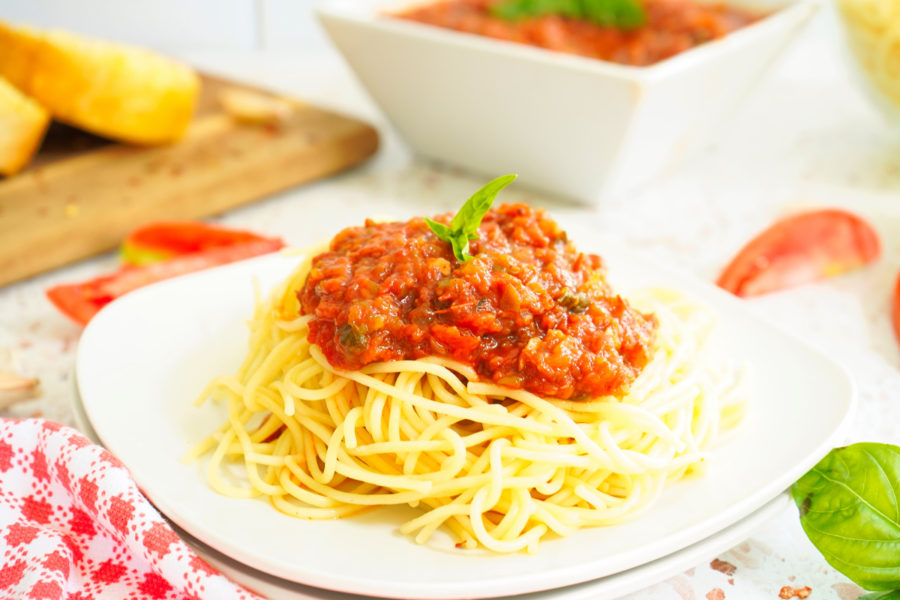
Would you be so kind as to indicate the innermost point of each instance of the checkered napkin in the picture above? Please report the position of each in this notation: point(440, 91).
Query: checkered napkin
point(74, 526)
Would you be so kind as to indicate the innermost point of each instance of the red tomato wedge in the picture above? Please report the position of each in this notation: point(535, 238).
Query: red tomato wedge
point(81, 301)
point(167, 239)
point(800, 249)
point(895, 309)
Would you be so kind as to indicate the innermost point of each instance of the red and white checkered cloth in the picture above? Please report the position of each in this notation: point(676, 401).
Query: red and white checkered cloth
point(74, 526)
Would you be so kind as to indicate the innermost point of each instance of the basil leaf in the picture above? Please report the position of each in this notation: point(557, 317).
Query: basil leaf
point(892, 595)
point(520, 9)
point(850, 510)
point(622, 14)
point(439, 229)
point(460, 243)
point(614, 13)
point(464, 226)
point(468, 218)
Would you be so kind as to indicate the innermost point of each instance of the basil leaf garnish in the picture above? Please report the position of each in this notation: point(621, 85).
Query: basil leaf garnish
point(850, 510)
point(622, 14)
point(464, 226)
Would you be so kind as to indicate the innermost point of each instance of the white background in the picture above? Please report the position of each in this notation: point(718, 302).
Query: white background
point(178, 25)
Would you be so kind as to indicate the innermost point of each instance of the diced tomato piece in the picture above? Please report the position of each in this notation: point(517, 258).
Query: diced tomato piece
point(167, 239)
point(895, 311)
point(800, 249)
point(81, 301)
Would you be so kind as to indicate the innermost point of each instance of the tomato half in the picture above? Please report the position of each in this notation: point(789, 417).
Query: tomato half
point(800, 249)
point(81, 301)
point(167, 239)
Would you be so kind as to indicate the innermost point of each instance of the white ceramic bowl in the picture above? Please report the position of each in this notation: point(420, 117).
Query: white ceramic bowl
point(574, 126)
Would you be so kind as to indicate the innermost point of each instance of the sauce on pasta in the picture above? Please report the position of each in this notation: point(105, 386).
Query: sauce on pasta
point(672, 27)
point(527, 312)
point(327, 416)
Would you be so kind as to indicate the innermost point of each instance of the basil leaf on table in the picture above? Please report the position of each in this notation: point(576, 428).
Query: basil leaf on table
point(850, 510)
point(623, 14)
point(892, 595)
point(464, 226)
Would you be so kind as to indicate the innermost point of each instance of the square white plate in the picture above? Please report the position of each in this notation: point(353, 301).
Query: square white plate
point(144, 358)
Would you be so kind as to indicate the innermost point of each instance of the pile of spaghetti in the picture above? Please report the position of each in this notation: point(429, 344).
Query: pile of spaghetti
point(509, 397)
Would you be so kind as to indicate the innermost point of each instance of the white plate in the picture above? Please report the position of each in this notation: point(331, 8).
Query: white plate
point(611, 586)
point(144, 358)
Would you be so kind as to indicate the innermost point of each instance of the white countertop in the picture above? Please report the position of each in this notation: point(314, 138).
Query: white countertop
point(805, 137)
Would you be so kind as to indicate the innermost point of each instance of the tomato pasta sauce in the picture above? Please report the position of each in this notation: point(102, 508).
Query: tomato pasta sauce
point(672, 27)
point(528, 311)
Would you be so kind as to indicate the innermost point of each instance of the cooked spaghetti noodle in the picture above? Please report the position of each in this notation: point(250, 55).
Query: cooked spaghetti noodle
point(496, 467)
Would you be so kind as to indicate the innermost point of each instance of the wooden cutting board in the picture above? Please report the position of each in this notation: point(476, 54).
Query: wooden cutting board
point(83, 194)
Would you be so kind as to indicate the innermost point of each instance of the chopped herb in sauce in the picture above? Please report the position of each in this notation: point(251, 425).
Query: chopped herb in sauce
point(575, 303)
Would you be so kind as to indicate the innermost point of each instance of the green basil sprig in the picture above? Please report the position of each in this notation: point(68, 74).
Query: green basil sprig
point(622, 14)
point(464, 226)
point(850, 510)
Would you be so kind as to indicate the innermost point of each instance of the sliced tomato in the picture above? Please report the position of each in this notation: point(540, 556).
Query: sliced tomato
point(800, 249)
point(895, 310)
point(167, 239)
point(81, 301)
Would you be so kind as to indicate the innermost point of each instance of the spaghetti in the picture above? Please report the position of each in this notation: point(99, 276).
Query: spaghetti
point(496, 467)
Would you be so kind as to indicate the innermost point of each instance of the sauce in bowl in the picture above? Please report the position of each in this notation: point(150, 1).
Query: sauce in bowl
point(672, 27)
